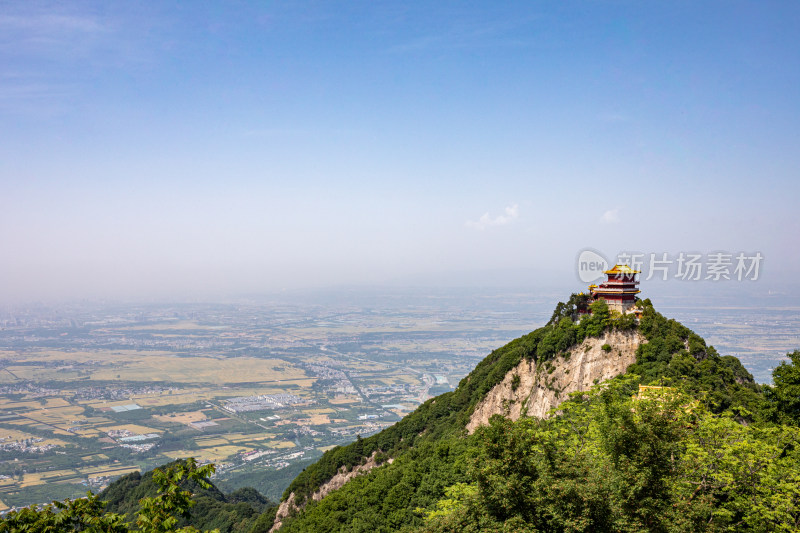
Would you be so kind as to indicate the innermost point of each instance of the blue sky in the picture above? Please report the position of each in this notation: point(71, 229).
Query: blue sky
point(163, 148)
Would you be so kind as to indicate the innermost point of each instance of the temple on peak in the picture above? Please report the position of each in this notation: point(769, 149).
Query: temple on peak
point(619, 290)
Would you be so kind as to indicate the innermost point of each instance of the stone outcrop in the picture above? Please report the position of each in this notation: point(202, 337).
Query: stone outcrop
point(536, 390)
point(289, 505)
point(527, 389)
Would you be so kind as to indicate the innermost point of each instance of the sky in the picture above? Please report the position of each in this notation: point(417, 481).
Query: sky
point(193, 149)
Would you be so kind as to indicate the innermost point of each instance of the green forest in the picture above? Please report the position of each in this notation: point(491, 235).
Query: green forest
point(707, 450)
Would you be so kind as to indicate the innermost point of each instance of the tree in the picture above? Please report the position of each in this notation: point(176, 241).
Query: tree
point(599, 319)
point(609, 460)
point(85, 514)
point(784, 396)
point(156, 515)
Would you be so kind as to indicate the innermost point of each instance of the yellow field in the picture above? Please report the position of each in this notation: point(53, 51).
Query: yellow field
point(82, 357)
point(7, 377)
point(281, 444)
point(118, 471)
point(361, 366)
point(344, 399)
point(12, 435)
point(20, 422)
point(133, 428)
point(87, 432)
point(323, 411)
point(153, 400)
point(133, 365)
point(191, 395)
point(406, 379)
point(214, 454)
point(183, 418)
point(28, 480)
point(26, 422)
point(97, 456)
point(317, 420)
point(200, 370)
point(53, 403)
point(177, 398)
point(97, 471)
point(24, 405)
point(238, 437)
point(45, 476)
point(205, 442)
point(57, 416)
point(43, 373)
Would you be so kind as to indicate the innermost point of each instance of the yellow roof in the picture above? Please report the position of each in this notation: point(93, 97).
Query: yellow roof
point(622, 269)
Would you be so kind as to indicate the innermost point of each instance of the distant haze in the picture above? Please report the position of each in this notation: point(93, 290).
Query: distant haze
point(154, 150)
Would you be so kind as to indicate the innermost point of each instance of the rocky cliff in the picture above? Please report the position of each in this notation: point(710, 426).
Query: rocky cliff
point(531, 390)
point(289, 505)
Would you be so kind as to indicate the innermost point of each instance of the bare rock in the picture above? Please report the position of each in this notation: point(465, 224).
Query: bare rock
point(538, 390)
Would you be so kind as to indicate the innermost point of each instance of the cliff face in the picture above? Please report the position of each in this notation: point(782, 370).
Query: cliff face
point(532, 391)
point(336, 482)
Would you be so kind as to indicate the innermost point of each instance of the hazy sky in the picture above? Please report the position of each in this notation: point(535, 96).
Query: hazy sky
point(161, 148)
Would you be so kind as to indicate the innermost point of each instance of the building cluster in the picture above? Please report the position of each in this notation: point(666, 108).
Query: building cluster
point(342, 383)
point(120, 393)
point(364, 430)
point(324, 372)
point(388, 390)
point(139, 448)
point(26, 446)
point(243, 404)
point(29, 389)
point(252, 455)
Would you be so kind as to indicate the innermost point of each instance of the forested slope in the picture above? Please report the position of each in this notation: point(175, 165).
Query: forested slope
point(432, 453)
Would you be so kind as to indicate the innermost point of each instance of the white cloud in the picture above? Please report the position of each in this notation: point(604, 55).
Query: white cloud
point(509, 214)
point(610, 217)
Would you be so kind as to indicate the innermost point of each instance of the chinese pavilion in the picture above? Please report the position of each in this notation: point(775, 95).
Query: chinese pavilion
point(619, 290)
